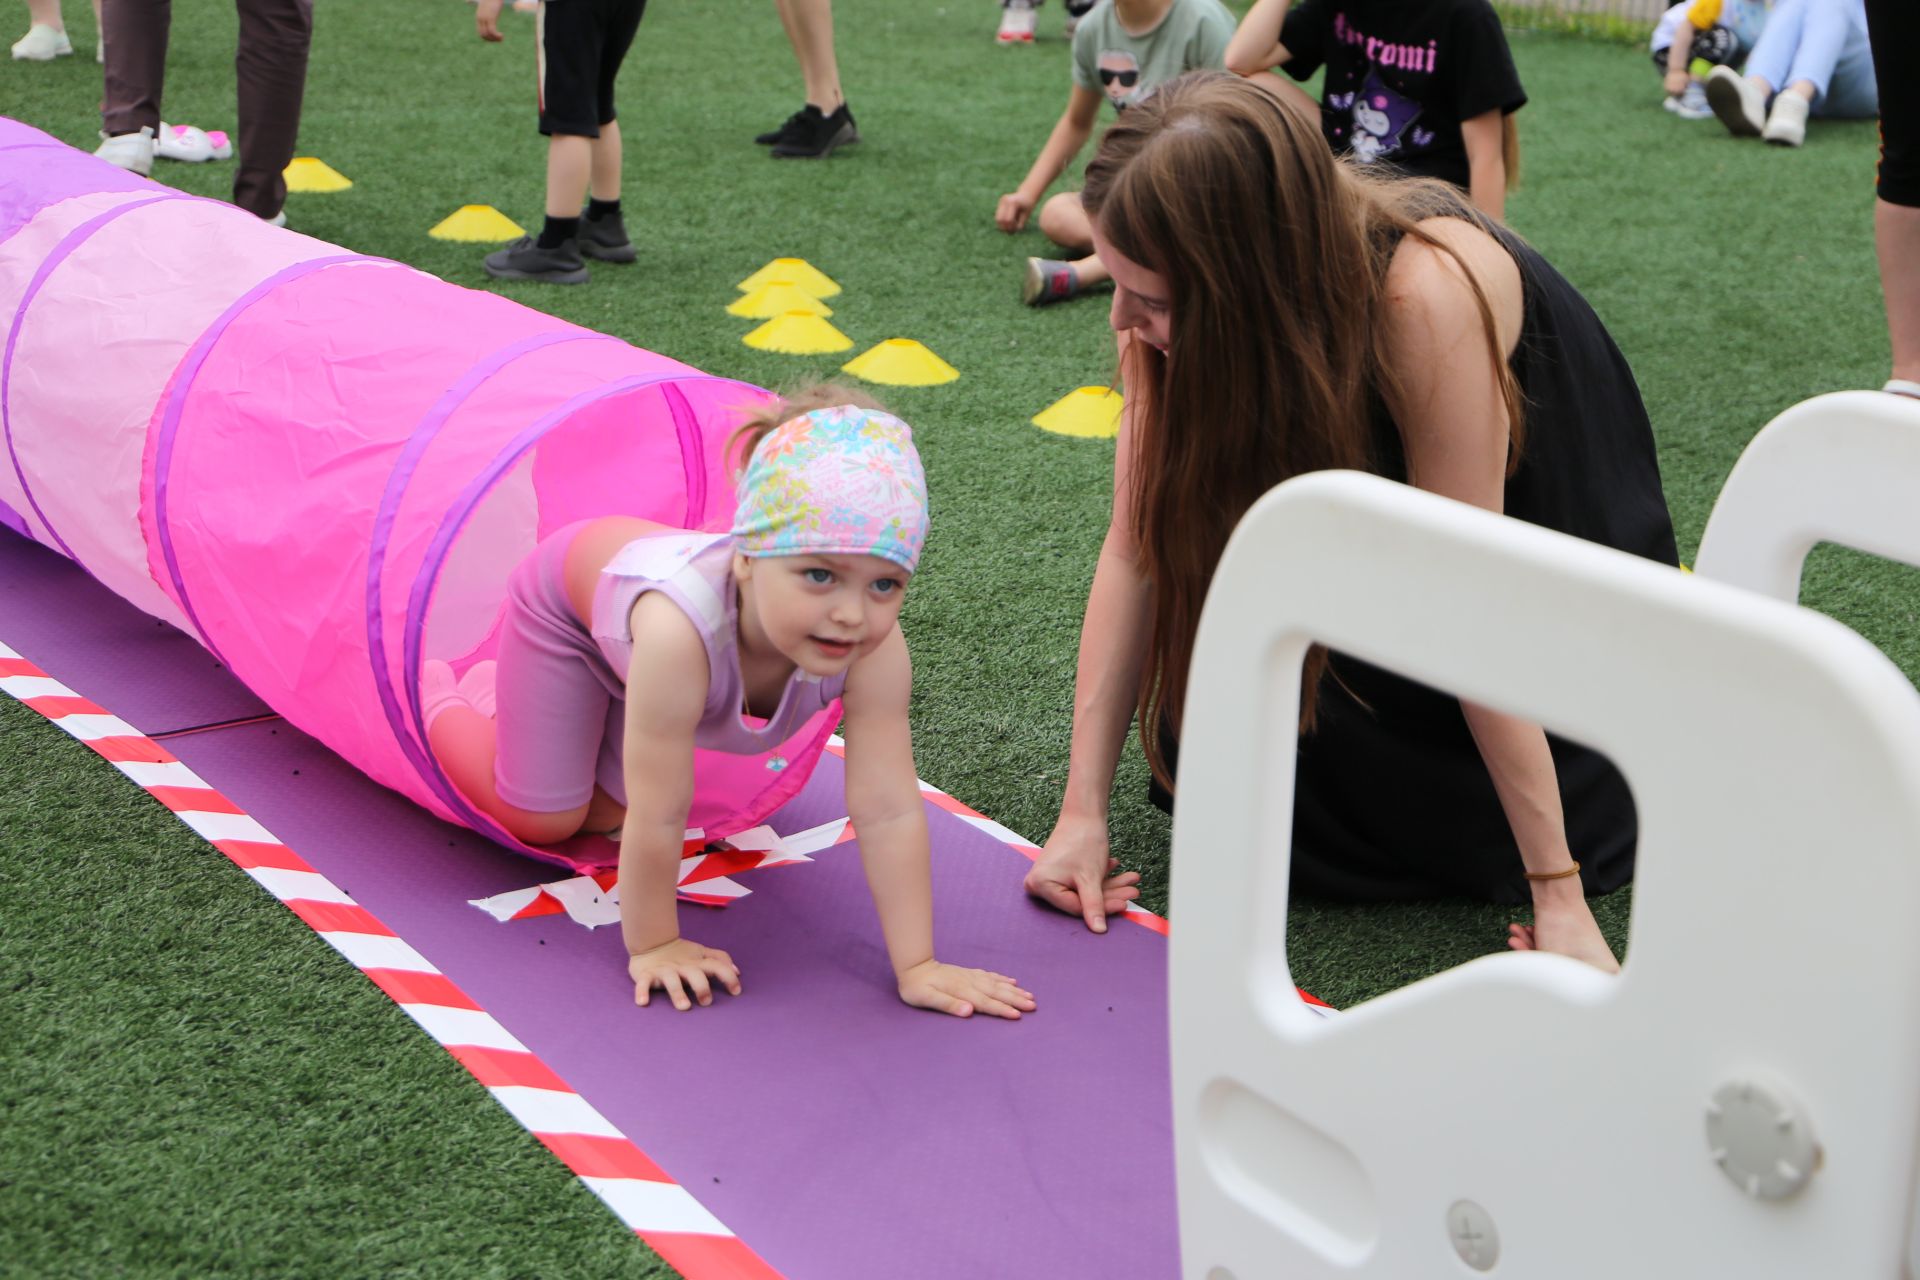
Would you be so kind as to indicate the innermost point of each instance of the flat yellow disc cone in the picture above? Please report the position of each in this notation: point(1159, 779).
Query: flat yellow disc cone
point(797, 272)
point(477, 224)
point(1089, 412)
point(901, 362)
point(774, 298)
point(798, 333)
point(304, 173)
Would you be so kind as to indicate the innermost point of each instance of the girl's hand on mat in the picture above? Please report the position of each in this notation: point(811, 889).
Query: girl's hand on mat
point(947, 988)
point(1068, 875)
point(683, 969)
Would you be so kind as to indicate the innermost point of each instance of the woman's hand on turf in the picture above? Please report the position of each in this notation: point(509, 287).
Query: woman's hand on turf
point(1566, 928)
point(1015, 208)
point(1074, 874)
point(683, 969)
point(947, 988)
point(1676, 83)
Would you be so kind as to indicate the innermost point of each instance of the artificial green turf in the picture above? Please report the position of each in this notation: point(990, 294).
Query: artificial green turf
point(194, 1085)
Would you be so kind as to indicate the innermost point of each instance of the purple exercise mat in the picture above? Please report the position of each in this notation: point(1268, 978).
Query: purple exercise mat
point(150, 674)
point(842, 1135)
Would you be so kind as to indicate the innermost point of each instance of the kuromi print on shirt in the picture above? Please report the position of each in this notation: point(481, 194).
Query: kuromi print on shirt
point(1401, 77)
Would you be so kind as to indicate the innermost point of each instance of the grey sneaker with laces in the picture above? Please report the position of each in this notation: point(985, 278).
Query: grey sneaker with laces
point(524, 259)
point(605, 239)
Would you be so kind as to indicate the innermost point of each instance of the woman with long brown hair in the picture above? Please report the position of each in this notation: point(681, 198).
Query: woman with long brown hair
point(1280, 312)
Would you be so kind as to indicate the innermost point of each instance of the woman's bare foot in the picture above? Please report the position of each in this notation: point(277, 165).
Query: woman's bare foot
point(1564, 924)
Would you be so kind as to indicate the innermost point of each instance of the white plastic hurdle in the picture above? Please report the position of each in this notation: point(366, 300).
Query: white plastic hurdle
point(1741, 1101)
point(1839, 468)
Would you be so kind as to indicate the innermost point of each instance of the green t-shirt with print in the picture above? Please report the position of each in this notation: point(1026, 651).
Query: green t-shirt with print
point(1124, 65)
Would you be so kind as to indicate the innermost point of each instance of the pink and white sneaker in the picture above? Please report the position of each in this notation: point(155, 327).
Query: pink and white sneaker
point(1017, 21)
point(194, 146)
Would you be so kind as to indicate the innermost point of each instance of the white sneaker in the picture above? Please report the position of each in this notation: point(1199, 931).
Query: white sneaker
point(1017, 21)
point(131, 151)
point(182, 142)
point(1737, 101)
point(1787, 122)
point(1691, 104)
point(41, 44)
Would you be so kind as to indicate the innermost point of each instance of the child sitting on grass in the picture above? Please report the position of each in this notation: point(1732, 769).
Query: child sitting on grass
point(578, 48)
point(692, 634)
point(1719, 33)
point(1122, 50)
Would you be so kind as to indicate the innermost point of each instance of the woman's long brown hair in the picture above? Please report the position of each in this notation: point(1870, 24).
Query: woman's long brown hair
point(1275, 256)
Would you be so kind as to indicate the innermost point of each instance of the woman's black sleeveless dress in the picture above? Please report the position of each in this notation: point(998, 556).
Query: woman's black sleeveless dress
point(1392, 798)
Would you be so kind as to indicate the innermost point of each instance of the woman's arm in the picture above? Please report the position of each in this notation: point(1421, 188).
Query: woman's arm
point(1256, 46)
point(1456, 430)
point(666, 693)
point(883, 801)
point(1070, 133)
point(1075, 873)
point(1486, 162)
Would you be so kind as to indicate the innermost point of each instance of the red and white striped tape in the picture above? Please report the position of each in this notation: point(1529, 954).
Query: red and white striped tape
point(661, 1211)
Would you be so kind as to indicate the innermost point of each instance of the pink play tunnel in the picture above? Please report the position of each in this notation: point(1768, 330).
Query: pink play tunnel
point(324, 465)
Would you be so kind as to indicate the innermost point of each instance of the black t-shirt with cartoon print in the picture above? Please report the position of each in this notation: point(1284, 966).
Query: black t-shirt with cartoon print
point(1402, 75)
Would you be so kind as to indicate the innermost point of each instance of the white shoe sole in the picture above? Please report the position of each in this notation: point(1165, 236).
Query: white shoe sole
point(1726, 94)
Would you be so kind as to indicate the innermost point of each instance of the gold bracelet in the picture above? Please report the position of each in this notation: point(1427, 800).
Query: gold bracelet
point(1573, 870)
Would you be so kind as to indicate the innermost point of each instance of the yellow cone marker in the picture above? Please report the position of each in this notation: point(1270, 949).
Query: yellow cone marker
point(901, 362)
point(798, 272)
point(304, 173)
point(775, 298)
point(1089, 412)
point(798, 333)
point(477, 224)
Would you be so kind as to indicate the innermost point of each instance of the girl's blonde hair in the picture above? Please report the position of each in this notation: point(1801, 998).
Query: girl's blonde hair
point(784, 407)
point(1276, 257)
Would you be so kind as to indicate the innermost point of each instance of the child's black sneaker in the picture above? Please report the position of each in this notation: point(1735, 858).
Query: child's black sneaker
point(817, 134)
point(605, 238)
point(524, 259)
point(774, 137)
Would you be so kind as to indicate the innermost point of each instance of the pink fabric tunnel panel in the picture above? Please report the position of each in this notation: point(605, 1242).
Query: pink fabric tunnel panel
point(323, 465)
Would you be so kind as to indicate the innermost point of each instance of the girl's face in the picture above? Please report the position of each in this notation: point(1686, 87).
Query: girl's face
point(1142, 302)
point(823, 612)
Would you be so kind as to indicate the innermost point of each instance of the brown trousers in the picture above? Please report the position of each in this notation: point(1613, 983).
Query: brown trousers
point(271, 71)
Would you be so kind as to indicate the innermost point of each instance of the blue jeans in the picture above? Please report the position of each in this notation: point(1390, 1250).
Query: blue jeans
point(1824, 42)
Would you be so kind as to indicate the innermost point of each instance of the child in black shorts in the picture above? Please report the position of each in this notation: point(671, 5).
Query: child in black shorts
point(580, 45)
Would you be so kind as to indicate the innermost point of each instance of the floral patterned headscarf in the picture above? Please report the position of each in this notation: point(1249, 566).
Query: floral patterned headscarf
point(841, 481)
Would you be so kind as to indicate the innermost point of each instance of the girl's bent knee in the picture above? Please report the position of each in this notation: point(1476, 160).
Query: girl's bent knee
point(541, 828)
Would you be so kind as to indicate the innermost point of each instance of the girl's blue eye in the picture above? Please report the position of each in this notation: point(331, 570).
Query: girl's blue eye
point(886, 586)
point(818, 576)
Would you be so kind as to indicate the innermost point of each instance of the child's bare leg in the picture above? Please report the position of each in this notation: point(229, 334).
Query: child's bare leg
point(1063, 220)
point(1091, 271)
point(46, 13)
point(604, 166)
point(809, 25)
point(569, 168)
point(604, 814)
point(463, 742)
